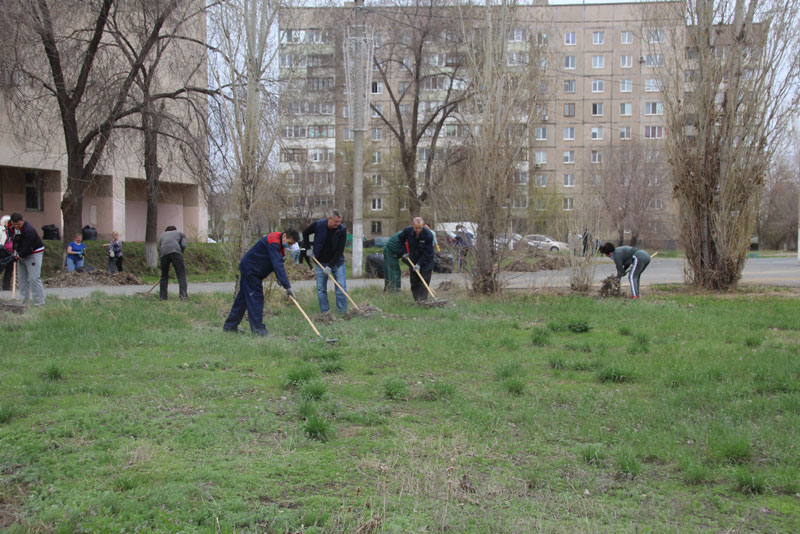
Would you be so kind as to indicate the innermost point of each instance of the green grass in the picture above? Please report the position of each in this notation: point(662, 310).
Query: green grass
point(524, 413)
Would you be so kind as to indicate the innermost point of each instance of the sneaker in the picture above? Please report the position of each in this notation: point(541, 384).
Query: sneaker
point(634, 296)
point(261, 333)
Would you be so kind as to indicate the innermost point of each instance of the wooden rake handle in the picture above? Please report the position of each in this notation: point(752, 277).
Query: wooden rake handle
point(306, 316)
point(422, 279)
point(330, 275)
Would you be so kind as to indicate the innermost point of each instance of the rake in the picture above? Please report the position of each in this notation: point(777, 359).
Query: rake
point(435, 302)
point(330, 275)
point(314, 328)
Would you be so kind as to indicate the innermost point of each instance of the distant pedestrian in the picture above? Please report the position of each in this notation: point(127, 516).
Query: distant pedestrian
point(170, 247)
point(629, 260)
point(114, 254)
point(75, 253)
point(418, 244)
point(28, 247)
point(391, 266)
point(6, 251)
point(263, 258)
point(464, 241)
point(330, 238)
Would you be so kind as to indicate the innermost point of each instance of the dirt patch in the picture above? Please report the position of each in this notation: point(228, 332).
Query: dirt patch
point(298, 271)
point(364, 310)
point(92, 278)
point(11, 307)
point(610, 287)
point(323, 318)
point(547, 263)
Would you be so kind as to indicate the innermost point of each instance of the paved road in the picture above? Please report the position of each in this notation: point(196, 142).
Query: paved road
point(768, 271)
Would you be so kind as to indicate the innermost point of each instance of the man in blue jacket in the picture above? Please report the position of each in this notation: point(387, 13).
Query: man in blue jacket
point(263, 258)
point(417, 241)
point(330, 237)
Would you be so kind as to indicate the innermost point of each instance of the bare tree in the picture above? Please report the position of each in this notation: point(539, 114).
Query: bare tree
point(62, 47)
point(778, 213)
point(730, 79)
point(421, 66)
point(505, 92)
point(629, 184)
point(243, 65)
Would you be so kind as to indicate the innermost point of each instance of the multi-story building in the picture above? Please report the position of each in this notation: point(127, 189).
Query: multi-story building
point(33, 159)
point(599, 94)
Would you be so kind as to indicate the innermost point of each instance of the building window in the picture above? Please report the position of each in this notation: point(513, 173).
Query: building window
point(653, 108)
point(293, 155)
point(376, 204)
point(516, 35)
point(598, 62)
point(570, 39)
point(377, 157)
point(655, 60)
point(597, 156)
point(626, 62)
point(598, 38)
point(34, 185)
point(423, 154)
point(520, 177)
point(376, 227)
point(377, 180)
point(653, 132)
point(569, 110)
point(597, 179)
point(625, 86)
point(655, 204)
point(625, 109)
point(569, 180)
point(569, 86)
point(656, 36)
point(541, 157)
point(517, 58)
point(519, 201)
point(569, 156)
point(377, 88)
point(626, 37)
point(569, 203)
point(597, 133)
point(376, 110)
point(652, 85)
point(597, 109)
point(541, 39)
point(625, 132)
point(569, 62)
point(598, 86)
point(541, 133)
point(376, 134)
point(569, 133)
point(541, 180)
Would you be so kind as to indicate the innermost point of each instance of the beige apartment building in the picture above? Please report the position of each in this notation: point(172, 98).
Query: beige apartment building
point(599, 89)
point(33, 165)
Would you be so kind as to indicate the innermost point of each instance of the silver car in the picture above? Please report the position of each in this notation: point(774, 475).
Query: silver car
point(545, 243)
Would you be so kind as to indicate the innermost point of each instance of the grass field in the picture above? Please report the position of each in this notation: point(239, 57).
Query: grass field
point(676, 413)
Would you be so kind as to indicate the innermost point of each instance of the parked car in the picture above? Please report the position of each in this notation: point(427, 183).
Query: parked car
point(545, 243)
point(502, 240)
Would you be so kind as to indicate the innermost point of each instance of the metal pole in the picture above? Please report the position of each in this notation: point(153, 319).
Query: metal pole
point(358, 152)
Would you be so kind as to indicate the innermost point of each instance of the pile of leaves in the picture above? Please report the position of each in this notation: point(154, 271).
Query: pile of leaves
point(298, 271)
point(546, 263)
point(92, 278)
point(610, 287)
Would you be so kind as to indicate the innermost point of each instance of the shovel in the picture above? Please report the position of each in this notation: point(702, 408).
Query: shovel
point(435, 301)
point(314, 328)
point(330, 275)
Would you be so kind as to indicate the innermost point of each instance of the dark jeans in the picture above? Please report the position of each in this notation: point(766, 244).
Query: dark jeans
point(175, 259)
point(7, 270)
point(417, 288)
point(114, 265)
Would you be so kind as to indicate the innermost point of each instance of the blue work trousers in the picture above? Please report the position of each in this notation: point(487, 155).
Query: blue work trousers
point(250, 298)
point(322, 288)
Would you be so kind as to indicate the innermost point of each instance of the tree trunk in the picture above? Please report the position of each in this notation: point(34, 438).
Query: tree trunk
point(72, 202)
point(150, 124)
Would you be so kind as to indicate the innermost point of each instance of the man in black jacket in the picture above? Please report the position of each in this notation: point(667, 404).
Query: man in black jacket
point(28, 247)
point(330, 237)
point(417, 242)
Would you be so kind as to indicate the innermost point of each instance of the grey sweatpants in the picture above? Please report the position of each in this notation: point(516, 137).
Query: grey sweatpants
point(30, 279)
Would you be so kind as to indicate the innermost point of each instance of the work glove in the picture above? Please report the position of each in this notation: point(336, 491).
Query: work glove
point(302, 257)
point(290, 292)
point(327, 271)
point(416, 267)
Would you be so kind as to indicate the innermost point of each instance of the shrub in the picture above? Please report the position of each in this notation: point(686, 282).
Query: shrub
point(749, 481)
point(439, 390)
point(313, 389)
point(508, 370)
point(753, 341)
point(625, 331)
point(514, 385)
point(395, 389)
point(318, 428)
point(53, 372)
point(299, 374)
point(540, 336)
point(579, 327)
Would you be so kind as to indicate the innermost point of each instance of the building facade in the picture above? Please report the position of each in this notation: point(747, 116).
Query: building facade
point(599, 93)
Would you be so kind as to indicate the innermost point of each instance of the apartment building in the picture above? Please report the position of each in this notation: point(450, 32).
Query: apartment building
point(599, 95)
point(33, 159)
